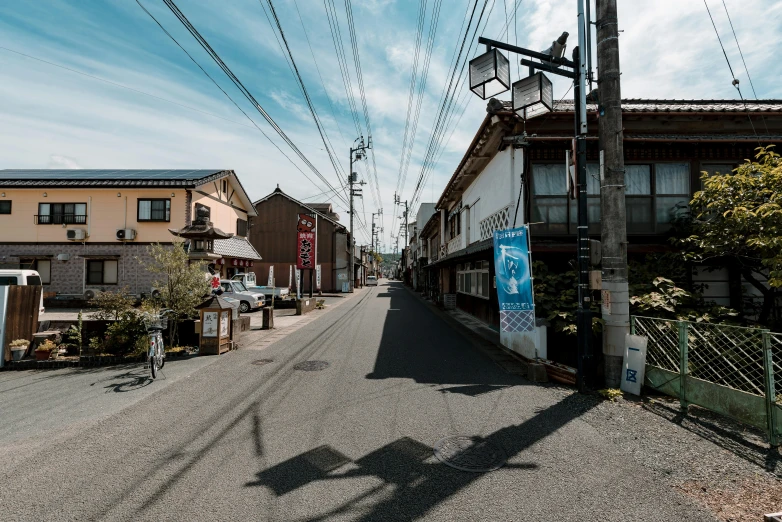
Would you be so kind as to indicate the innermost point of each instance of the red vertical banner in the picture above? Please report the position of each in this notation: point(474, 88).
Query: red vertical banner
point(306, 242)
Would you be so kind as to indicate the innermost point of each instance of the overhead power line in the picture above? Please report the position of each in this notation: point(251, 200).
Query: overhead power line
point(239, 85)
point(295, 70)
point(238, 107)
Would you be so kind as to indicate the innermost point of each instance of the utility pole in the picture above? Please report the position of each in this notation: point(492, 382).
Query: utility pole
point(615, 296)
point(552, 62)
point(358, 152)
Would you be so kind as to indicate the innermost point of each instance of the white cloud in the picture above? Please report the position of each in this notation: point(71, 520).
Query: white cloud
point(62, 162)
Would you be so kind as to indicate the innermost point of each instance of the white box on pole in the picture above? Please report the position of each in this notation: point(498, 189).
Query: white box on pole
point(634, 366)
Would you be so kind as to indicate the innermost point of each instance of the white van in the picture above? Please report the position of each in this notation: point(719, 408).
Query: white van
point(14, 277)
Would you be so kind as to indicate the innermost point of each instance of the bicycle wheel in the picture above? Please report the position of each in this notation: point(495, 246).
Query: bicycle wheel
point(153, 366)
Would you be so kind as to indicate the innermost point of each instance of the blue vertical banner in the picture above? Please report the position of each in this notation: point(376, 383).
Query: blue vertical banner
point(514, 280)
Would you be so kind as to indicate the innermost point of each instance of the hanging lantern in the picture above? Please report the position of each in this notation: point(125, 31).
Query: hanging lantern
point(533, 96)
point(489, 74)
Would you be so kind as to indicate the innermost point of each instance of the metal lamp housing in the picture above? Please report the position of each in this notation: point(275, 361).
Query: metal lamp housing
point(533, 96)
point(489, 74)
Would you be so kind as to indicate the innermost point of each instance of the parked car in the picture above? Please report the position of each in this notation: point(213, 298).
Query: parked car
point(19, 277)
point(371, 281)
point(249, 281)
point(248, 300)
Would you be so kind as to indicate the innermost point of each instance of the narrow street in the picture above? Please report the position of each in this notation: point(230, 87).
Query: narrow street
point(238, 439)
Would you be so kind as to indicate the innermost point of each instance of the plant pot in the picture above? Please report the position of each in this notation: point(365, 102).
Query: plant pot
point(18, 354)
point(41, 355)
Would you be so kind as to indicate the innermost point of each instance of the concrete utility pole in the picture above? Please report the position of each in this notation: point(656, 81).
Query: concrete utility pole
point(615, 296)
point(353, 179)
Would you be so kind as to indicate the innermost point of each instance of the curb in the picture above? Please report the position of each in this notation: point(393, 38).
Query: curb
point(87, 361)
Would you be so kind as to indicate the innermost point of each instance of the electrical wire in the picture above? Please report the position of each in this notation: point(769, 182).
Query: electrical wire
point(735, 80)
point(321, 130)
point(237, 105)
point(205, 45)
point(752, 85)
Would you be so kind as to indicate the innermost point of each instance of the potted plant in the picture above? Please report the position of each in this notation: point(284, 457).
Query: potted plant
point(19, 348)
point(44, 350)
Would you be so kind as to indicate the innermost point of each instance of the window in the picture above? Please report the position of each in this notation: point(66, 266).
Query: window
point(455, 225)
point(710, 170)
point(5, 207)
point(227, 287)
point(102, 272)
point(42, 266)
point(473, 279)
point(225, 187)
point(154, 210)
point(672, 191)
point(655, 195)
point(8, 281)
point(62, 213)
point(241, 227)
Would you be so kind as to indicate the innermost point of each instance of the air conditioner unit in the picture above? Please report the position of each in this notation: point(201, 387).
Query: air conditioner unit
point(126, 234)
point(76, 234)
point(90, 294)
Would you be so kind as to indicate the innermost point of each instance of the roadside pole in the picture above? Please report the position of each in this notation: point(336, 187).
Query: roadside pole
point(615, 295)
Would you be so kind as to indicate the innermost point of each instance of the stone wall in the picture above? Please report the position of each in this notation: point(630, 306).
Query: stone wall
point(68, 277)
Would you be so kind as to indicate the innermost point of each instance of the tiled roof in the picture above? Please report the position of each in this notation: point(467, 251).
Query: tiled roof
point(108, 177)
point(643, 105)
point(236, 246)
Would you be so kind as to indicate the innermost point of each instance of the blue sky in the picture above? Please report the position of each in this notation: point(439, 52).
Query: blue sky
point(50, 117)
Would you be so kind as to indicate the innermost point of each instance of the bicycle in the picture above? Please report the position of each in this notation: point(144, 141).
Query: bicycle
point(155, 323)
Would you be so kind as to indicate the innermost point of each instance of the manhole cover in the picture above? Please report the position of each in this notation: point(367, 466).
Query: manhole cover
point(311, 366)
point(469, 454)
point(261, 362)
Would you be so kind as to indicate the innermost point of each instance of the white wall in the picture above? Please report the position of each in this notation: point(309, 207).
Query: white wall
point(495, 188)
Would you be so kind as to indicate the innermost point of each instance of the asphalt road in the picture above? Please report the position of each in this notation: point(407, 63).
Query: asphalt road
point(241, 441)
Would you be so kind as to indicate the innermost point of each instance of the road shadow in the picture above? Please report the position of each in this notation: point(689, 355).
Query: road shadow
point(417, 344)
point(127, 382)
point(420, 481)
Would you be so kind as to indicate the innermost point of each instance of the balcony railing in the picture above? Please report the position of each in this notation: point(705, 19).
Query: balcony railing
point(455, 244)
point(500, 220)
point(60, 219)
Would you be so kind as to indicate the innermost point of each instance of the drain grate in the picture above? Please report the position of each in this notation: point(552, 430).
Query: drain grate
point(311, 366)
point(472, 454)
point(262, 362)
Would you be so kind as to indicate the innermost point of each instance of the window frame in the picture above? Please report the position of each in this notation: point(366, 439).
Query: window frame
point(571, 206)
point(102, 262)
point(62, 220)
point(166, 210)
point(27, 263)
point(10, 207)
point(239, 231)
point(473, 272)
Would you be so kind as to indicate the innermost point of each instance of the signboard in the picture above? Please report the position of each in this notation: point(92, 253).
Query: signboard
point(345, 287)
point(271, 276)
point(298, 283)
point(305, 242)
point(634, 366)
point(224, 318)
point(209, 328)
point(514, 280)
point(317, 277)
point(290, 277)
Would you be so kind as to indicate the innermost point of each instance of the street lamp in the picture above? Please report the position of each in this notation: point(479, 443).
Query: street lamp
point(532, 96)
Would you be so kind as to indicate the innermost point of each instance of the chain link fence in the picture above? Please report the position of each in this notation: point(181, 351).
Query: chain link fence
point(688, 359)
point(776, 358)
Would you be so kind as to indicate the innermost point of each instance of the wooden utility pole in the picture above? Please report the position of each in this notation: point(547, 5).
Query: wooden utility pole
point(615, 296)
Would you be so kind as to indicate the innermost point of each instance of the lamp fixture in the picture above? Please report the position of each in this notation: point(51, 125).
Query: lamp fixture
point(557, 49)
point(2, 195)
point(119, 194)
point(44, 194)
point(489, 74)
point(533, 96)
point(172, 194)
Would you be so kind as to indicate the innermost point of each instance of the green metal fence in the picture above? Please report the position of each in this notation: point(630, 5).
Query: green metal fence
point(731, 370)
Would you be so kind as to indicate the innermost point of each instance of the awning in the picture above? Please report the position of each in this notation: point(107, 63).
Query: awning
point(480, 246)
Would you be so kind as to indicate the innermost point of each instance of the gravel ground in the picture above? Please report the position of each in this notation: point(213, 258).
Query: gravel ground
point(725, 466)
